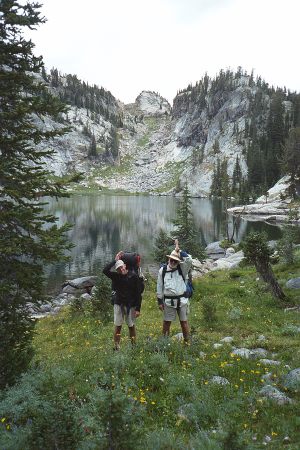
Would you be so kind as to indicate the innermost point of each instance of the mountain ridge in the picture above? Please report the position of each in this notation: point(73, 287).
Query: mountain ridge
point(210, 134)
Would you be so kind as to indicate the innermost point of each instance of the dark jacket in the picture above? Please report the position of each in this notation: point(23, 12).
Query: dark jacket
point(126, 286)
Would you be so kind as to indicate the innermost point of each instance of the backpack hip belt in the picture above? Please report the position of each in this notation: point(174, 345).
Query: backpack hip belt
point(174, 297)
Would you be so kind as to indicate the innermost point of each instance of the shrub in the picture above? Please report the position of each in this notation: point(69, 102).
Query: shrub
point(101, 299)
point(225, 244)
point(202, 440)
point(77, 304)
point(285, 245)
point(111, 419)
point(235, 292)
point(209, 311)
point(164, 440)
point(290, 330)
point(235, 313)
point(38, 414)
point(234, 274)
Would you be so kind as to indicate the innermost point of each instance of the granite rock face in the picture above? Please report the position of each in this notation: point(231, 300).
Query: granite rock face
point(159, 147)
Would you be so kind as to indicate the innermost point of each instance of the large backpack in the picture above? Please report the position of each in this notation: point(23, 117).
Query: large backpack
point(189, 288)
point(133, 263)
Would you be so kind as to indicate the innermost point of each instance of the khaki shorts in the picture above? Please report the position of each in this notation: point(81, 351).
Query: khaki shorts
point(121, 314)
point(171, 313)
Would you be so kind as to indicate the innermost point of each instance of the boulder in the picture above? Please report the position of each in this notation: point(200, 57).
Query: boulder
point(274, 394)
point(227, 339)
point(69, 290)
point(250, 353)
point(219, 380)
point(259, 353)
point(242, 352)
point(293, 283)
point(230, 262)
point(85, 296)
point(214, 250)
point(269, 362)
point(229, 251)
point(82, 282)
point(292, 380)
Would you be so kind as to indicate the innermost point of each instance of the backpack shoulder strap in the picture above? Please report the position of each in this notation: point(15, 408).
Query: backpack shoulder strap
point(180, 271)
point(164, 272)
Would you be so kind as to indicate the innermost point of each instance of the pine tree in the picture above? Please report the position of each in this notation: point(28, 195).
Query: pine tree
point(276, 134)
point(162, 246)
point(185, 228)
point(236, 176)
point(224, 180)
point(101, 299)
point(114, 147)
point(216, 188)
point(216, 147)
point(29, 237)
point(257, 252)
point(291, 157)
point(93, 147)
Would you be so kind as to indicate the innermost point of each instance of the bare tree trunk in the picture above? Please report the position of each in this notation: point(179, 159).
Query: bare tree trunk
point(265, 270)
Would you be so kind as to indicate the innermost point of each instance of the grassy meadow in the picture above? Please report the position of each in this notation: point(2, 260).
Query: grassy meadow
point(160, 393)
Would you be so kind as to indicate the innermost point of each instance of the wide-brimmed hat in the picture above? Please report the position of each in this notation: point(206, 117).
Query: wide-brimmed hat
point(174, 255)
point(119, 263)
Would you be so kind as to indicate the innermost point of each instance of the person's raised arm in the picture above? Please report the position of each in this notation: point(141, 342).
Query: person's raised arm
point(107, 268)
point(119, 255)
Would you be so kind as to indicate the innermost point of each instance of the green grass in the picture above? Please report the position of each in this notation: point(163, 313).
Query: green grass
point(175, 170)
point(105, 172)
point(143, 141)
point(108, 171)
point(152, 124)
point(167, 384)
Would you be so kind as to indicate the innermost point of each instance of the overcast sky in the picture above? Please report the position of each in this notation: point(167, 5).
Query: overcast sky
point(128, 46)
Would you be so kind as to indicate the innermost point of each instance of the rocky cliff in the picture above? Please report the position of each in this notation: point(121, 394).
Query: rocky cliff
point(149, 146)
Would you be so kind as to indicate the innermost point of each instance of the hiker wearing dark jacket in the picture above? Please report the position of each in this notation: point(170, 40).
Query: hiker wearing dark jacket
point(171, 290)
point(128, 298)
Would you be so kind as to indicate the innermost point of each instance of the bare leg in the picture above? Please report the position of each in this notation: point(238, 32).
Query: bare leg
point(132, 334)
point(117, 336)
point(166, 327)
point(185, 330)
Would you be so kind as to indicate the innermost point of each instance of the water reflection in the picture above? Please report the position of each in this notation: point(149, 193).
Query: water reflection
point(102, 225)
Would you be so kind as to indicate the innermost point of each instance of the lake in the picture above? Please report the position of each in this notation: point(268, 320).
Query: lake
point(104, 224)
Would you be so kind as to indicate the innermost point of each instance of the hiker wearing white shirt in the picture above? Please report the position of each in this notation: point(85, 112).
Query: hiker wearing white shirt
point(171, 290)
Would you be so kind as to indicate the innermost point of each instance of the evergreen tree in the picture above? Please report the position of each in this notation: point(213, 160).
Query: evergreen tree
point(225, 188)
point(162, 246)
point(29, 237)
point(236, 176)
point(216, 147)
point(286, 245)
point(216, 188)
point(114, 147)
point(257, 252)
point(93, 147)
point(185, 228)
point(276, 134)
point(291, 157)
point(101, 299)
